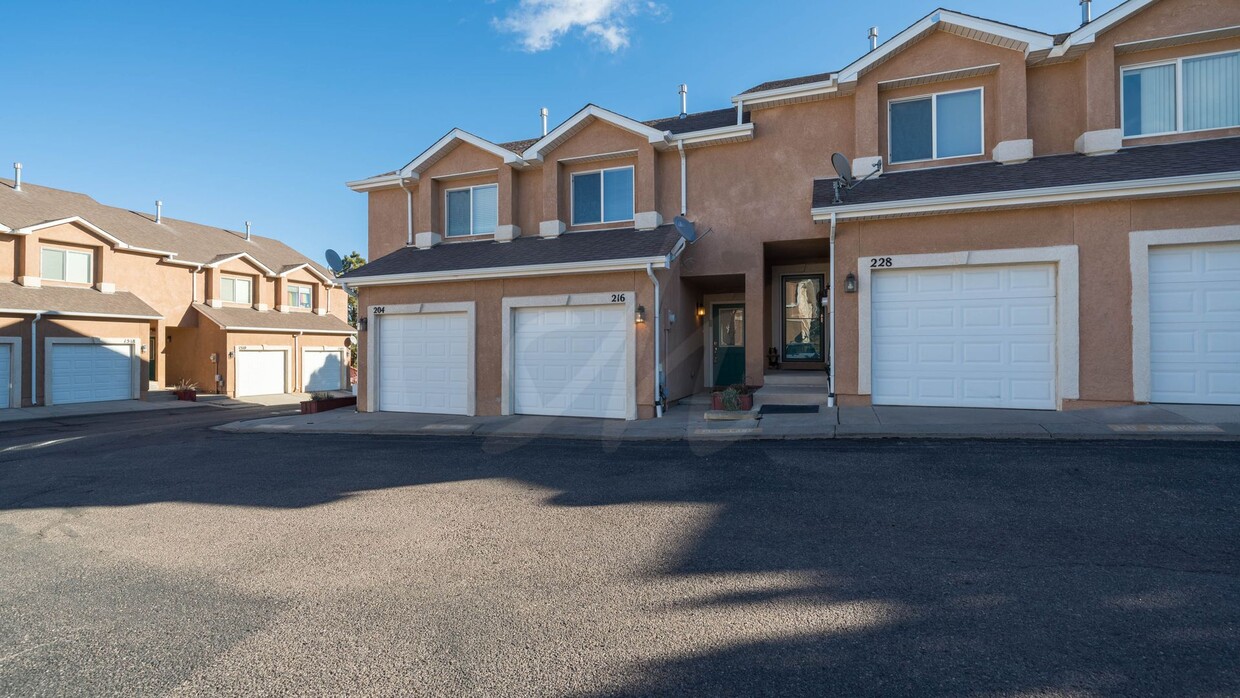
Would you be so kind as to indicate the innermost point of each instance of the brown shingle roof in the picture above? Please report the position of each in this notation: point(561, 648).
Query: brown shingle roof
point(191, 242)
point(249, 318)
point(68, 300)
point(789, 82)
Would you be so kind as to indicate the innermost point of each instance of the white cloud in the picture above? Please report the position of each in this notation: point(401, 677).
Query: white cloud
point(540, 24)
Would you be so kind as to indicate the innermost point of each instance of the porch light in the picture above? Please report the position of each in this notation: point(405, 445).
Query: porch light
point(701, 310)
point(850, 283)
point(641, 315)
point(362, 323)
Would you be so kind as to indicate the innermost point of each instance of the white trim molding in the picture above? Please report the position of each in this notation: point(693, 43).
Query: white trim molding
point(597, 267)
point(1066, 258)
point(1139, 244)
point(561, 133)
point(511, 304)
point(442, 147)
point(16, 370)
point(372, 341)
point(135, 356)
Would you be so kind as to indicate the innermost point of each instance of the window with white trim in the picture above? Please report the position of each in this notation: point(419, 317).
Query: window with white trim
point(236, 289)
point(300, 296)
point(936, 127)
point(59, 264)
point(1196, 93)
point(603, 196)
point(472, 210)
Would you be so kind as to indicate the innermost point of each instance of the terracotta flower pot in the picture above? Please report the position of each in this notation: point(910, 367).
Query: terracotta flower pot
point(716, 402)
point(317, 406)
point(187, 395)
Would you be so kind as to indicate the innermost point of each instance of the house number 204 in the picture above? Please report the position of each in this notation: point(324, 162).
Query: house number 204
point(877, 262)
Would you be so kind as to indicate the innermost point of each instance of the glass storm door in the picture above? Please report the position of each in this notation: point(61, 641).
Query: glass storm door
point(802, 338)
point(728, 344)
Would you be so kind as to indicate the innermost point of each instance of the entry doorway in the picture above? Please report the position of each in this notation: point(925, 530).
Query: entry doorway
point(728, 344)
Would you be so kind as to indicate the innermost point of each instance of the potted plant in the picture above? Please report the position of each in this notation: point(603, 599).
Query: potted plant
point(322, 402)
point(735, 398)
point(186, 390)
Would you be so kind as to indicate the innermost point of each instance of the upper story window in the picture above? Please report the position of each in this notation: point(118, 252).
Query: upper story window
point(234, 289)
point(67, 265)
point(300, 296)
point(472, 210)
point(1185, 94)
point(603, 196)
point(935, 127)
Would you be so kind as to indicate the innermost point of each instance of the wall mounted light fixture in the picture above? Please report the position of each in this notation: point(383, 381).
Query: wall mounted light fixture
point(362, 323)
point(641, 315)
point(850, 283)
point(701, 310)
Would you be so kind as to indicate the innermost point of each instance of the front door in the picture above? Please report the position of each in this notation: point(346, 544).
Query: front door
point(802, 326)
point(728, 344)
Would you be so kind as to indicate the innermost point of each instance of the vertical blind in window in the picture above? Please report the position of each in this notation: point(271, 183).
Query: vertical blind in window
point(605, 196)
point(618, 195)
point(1149, 100)
point(959, 124)
point(946, 125)
point(587, 198)
point(1212, 92)
point(486, 210)
point(458, 212)
point(473, 211)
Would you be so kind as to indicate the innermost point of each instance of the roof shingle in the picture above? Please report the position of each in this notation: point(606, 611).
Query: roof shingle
point(249, 318)
point(69, 300)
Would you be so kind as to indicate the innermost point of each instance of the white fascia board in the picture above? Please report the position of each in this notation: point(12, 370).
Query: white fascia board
point(723, 133)
point(1089, 32)
point(456, 134)
point(381, 182)
point(70, 313)
point(309, 267)
point(1187, 184)
point(534, 152)
point(117, 243)
point(5, 229)
point(239, 255)
point(1034, 41)
point(636, 264)
point(808, 89)
point(282, 330)
point(182, 263)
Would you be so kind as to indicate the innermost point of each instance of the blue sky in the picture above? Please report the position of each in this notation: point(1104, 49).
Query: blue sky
point(234, 111)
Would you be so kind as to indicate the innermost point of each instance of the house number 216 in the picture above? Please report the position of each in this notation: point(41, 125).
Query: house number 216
point(618, 298)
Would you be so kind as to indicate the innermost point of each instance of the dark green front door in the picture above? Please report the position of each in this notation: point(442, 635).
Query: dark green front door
point(728, 344)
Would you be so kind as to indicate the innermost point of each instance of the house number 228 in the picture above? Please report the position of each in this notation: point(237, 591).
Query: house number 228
point(618, 298)
point(877, 262)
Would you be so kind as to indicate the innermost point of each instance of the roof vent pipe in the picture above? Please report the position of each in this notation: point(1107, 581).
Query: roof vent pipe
point(684, 100)
point(544, 114)
point(247, 230)
point(159, 211)
point(1087, 12)
point(873, 38)
point(17, 176)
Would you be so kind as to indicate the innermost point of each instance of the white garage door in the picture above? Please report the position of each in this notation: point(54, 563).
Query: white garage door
point(1195, 324)
point(91, 372)
point(571, 361)
point(322, 369)
point(260, 372)
point(964, 337)
point(424, 363)
point(6, 361)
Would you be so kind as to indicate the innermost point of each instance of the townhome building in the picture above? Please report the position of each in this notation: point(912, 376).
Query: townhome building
point(969, 214)
point(100, 303)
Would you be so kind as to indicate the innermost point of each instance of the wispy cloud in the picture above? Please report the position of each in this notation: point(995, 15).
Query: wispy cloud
point(540, 24)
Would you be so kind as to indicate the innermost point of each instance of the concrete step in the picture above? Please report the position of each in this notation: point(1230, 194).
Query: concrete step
point(790, 395)
point(160, 395)
point(797, 378)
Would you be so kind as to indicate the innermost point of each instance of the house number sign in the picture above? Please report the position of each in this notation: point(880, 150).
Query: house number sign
point(618, 298)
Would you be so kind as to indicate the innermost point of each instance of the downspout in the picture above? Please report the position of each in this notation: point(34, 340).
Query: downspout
point(658, 331)
point(193, 285)
point(34, 360)
point(684, 182)
point(297, 363)
point(831, 312)
point(408, 211)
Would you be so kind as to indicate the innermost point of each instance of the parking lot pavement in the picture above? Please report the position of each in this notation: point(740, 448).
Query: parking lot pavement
point(195, 562)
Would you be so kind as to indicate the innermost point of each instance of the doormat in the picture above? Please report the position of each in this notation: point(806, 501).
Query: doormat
point(789, 409)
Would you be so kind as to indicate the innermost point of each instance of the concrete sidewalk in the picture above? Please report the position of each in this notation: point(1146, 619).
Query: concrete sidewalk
point(85, 409)
point(689, 422)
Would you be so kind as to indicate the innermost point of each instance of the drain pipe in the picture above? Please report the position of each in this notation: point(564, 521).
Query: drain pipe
point(297, 377)
point(684, 182)
point(34, 361)
point(658, 331)
point(408, 211)
point(831, 312)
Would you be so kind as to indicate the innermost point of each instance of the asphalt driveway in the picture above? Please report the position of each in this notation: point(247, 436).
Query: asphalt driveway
point(190, 562)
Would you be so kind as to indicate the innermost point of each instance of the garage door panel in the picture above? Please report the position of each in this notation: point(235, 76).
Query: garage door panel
point(91, 372)
point(974, 337)
point(423, 363)
point(570, 361)
point(1195, 324)
point(261, 372)
point(322, 370)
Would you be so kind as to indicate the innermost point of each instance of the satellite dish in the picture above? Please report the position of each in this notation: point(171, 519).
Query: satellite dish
point(334, 262)
point(844, 168)
point(686, 228)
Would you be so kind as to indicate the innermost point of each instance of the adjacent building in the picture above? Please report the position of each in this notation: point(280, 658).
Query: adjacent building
point(100, 303)
point(1027, 220)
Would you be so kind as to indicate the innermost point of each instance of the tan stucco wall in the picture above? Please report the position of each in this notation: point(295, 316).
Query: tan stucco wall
point(19, 326)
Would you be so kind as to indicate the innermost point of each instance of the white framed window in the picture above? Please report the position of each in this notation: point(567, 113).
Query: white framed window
point(59, 264)
point(236, 289)
point(936, 127)
point(300, 296)
point(1194, 93)
point(471, 210)
point(602, 196)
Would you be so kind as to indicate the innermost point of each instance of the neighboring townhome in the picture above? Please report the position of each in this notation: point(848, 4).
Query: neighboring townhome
point(1050, 221)
point(100, 303)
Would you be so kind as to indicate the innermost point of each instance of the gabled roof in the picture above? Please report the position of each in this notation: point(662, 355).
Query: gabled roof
point(221, 259)
point(1073, 175)
point(290, 268)
point(178, 241)
point(1088, 32)
point(585, 117)
point(448, 143)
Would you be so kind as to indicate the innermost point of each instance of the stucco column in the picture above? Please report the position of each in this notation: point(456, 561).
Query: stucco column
point(551, 224)
point(755, 351)
point(263, 292)
point(866, 126)
point(1100, 90)
point(29, 272)
point(423, 207)
point(646, 194)
point(1013, 102)
point(213, 288)
point(281, 304)
point(507, 196)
